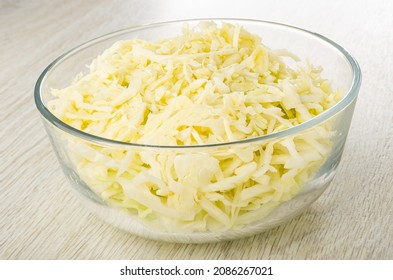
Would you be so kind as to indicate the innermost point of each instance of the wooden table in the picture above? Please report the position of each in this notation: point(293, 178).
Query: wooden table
point(40, 218)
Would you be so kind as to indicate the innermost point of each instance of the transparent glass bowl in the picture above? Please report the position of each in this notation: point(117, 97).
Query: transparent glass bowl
point(71, 145)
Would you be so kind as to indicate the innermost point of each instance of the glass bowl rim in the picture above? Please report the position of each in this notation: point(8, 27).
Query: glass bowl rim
point(349, 96)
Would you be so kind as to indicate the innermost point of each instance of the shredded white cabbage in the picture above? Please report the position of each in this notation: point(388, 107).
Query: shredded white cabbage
point(209, 85)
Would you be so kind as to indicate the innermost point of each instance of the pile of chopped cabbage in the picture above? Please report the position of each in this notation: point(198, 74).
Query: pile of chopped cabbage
point(208, 85)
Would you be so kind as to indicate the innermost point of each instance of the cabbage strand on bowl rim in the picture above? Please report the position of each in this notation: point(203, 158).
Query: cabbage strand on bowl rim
point(209, 85)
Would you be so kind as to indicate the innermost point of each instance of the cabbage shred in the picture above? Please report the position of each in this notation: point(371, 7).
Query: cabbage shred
point(209, 85)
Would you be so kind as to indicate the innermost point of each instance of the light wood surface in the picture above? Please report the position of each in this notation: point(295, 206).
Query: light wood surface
point(40, 218)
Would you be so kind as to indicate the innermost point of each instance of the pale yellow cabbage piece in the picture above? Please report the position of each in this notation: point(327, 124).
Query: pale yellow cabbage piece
point(208, 85)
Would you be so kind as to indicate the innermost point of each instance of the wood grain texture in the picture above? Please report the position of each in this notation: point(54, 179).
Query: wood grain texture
point(40, 218)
